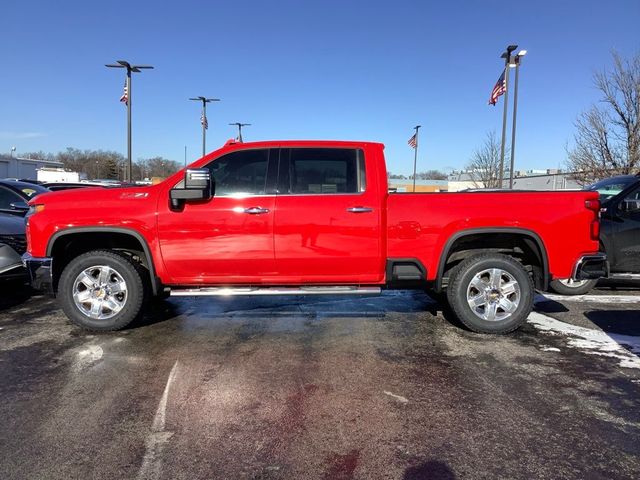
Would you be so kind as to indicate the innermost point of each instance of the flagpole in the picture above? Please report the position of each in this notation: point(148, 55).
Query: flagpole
point(415, 158)
point(507, 59)
point(135, 69)
point(128, 176)
point(504, 125)
point(203, 119)
point(204, 130)
point(517, 58)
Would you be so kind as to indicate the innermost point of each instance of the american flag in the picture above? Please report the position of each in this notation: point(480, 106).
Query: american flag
point(125, 94)
point(499, 89)
point(203, 121)
point(413, 141)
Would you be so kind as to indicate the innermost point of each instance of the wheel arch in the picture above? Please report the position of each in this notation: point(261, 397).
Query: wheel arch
point(528, 235)
point(76, 233)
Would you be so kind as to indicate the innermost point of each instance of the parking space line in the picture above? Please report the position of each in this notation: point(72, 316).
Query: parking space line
point(152, 462)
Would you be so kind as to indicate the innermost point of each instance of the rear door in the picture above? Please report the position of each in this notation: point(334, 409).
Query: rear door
point(328, 219)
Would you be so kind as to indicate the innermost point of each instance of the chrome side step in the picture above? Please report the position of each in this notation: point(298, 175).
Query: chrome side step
point(311, 290)
point(624, 276)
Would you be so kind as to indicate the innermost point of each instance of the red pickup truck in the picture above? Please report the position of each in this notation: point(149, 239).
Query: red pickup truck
point(305, 217)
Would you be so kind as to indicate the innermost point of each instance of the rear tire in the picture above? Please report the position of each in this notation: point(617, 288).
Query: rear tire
point(572, 287)
point(101, 290)
point(490, 293)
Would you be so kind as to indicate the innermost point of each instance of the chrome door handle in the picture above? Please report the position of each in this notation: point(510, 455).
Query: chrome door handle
point(359, 209)
point(256, 210)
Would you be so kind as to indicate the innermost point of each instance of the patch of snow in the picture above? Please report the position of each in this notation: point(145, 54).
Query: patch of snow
point(596, 342)
point(607, 299)
point(550, 349)
point(87, 356)
point(396, 397)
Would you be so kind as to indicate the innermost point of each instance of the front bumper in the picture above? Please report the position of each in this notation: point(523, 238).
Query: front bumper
point(40, 272)
point(590, 267)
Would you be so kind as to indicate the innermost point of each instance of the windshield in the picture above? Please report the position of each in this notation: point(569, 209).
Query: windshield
point(610, 187)
point(32, 190)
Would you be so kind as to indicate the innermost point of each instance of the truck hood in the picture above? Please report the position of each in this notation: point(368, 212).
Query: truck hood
point(91, 196)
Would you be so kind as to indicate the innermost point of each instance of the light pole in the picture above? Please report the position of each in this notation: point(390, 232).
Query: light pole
point(240, 125)
point(415, 157)
point(127, 99)
point(516, 64)
point(507, 59)
point(203, 119)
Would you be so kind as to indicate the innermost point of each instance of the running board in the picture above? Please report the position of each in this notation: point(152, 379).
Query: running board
point(237, 291)
point(624, 276)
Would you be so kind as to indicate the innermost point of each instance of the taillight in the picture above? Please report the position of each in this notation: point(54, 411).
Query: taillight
point(594, 205)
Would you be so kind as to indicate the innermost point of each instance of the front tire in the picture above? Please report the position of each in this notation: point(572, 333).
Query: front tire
point(491, 293)
point(101, 290)
point(572, 287)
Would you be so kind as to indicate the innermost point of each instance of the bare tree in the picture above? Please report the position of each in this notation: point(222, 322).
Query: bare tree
point(484, 166)
point(607, 138)
point(431, 175)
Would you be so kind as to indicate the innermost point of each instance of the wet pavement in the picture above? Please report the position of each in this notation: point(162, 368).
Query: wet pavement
point(295, 387)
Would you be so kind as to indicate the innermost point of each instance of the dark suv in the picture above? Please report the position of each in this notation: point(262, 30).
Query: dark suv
point(619, 232)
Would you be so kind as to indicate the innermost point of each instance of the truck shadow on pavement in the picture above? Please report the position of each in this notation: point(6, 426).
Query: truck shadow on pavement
point(13, 294)
point(616, 322)
point(431, 470)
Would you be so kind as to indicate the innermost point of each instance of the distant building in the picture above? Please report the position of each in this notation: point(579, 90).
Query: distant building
point(406, 185)
point(12, 167)
point(550, 179)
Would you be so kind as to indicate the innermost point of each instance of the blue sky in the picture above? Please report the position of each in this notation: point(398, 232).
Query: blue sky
point(355, 70)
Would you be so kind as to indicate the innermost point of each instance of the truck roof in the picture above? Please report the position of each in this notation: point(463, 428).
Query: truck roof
point(276, 143)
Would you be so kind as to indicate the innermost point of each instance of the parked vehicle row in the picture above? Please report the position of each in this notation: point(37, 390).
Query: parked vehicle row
point(619, 232)
point(14, 195)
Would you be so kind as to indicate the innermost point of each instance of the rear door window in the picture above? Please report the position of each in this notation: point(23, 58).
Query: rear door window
point(321, 171)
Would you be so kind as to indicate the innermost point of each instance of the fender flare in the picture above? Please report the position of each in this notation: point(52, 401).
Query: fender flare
point(155, 282)
point(474, 231)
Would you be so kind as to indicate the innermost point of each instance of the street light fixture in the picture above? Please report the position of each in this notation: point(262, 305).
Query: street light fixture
point(240, 125)
point(516, 64)
point(135, 69)
point(507, 60)
point(203, 119)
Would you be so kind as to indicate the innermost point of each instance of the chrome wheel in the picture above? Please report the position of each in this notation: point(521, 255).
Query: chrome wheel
point(99, 292)
point(493, 294)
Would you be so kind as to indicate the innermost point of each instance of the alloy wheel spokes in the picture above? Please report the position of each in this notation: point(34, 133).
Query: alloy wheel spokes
point(493, 294)
point(99, 292)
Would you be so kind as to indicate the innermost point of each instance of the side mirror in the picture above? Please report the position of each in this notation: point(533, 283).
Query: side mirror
point(19, 206)
point(197, 186)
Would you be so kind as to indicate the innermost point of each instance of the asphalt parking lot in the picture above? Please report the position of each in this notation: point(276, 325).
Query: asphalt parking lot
point(291, 387)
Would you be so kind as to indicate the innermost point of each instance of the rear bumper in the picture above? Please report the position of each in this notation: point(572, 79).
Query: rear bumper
point(40, 272)
point(590, 267)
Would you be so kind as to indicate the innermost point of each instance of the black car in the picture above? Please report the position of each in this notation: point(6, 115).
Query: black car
point(12, 245)
point(15, 194)
point(619, 232)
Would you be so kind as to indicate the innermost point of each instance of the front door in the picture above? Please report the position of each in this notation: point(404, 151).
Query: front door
point(228, 239)
point(327, 224)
